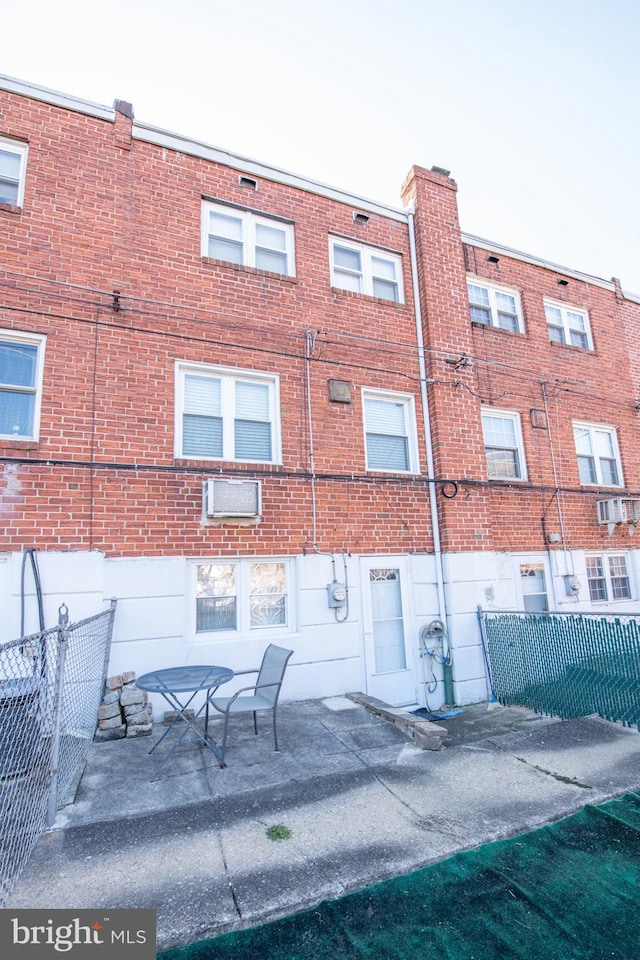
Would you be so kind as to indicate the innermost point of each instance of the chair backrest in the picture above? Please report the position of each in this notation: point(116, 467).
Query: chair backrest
point(274, 664)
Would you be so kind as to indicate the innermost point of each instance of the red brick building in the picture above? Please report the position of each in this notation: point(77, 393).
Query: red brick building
point(255, 407)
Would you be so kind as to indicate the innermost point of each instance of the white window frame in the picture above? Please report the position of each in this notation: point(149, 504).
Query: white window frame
point(366, 276)
point(410, 435)
point(566, 327)
point(593, 429)
point(608, 576)
point(244, 627)
point(249, 221)
point(514, 417)
point(38, 341)
point(228, 376)
point(21, 151)
point(493, 307)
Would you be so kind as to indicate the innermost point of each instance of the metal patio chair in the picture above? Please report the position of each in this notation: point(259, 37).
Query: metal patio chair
point(262, 696)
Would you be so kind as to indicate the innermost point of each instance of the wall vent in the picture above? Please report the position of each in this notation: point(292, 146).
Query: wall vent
point(232, 498)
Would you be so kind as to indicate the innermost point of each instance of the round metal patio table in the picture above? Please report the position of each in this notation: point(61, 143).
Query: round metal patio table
point(185, 680)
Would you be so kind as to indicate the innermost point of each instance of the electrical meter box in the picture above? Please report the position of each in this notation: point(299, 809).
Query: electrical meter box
point(337, 594)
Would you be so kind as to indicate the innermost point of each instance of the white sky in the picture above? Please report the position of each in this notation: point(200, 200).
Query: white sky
point(532, 104)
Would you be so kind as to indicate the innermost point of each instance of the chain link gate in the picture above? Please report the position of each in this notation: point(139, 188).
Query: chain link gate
point(51, 685)
point(565, 664)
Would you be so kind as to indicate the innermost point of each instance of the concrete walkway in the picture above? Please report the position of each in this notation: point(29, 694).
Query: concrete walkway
point(361, 800)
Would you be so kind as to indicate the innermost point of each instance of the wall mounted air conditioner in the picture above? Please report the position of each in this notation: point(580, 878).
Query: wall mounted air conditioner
point(618, 510)
point(232, 498)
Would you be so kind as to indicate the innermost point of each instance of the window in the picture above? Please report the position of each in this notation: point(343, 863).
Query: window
point(568, 325)
point(13, 165)
point(598, 455)
point(503, 446)
point(21, 366)
point(608, 578)
point(242, 596)
point(390, 433)
point(366, 270)
point(495, 307)
point(240, 236)
point(226, 414)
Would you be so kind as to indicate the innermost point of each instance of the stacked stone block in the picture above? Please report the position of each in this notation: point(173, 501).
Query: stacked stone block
point(125, 711)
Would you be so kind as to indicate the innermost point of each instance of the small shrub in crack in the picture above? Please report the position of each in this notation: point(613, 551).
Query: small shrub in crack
point(278, 832)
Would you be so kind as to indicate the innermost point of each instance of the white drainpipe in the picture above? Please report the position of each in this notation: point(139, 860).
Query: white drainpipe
point(437, 550)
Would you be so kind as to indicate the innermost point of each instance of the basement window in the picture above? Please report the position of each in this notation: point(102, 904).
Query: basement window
point(242, 596)
point(608, 578)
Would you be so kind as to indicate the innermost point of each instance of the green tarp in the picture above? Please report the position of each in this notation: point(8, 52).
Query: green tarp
point(567, 890)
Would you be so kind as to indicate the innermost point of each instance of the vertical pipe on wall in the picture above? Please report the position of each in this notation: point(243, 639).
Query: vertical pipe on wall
point(431, 481)
point(568, 556)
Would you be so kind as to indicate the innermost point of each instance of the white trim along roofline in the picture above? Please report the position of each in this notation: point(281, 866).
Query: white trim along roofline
point(164, 138)
point(493, 247)
point(173, 141)
point(69, 102)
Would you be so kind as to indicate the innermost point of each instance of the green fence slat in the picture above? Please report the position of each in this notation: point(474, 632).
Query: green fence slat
point(566, 665)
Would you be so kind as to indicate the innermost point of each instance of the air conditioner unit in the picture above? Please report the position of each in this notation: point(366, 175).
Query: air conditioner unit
point(618, 510)
point(232, 498)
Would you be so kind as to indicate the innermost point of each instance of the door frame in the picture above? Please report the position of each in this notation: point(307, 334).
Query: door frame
point(411, 679)
point(520, 560)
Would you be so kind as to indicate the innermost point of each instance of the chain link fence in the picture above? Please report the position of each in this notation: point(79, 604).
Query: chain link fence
point(51, 685)
point(565, 665)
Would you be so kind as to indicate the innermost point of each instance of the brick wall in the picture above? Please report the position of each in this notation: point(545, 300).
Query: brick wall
point(519, 372)
point(105, 212)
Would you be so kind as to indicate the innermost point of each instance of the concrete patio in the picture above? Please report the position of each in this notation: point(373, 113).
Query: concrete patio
point(362, 803)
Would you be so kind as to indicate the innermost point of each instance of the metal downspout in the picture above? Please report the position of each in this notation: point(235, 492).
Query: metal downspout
point(437, 550)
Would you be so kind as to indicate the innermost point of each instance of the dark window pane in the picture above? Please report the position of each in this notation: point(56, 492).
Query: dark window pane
point(252, 440)
point(609, 472)
point(201, 436)
point(215, 613)
point(18, 364)
point(587, 468)
point(16, 413)
point(387, 453)
point(502, 463)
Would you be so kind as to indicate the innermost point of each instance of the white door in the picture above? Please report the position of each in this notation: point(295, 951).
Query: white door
point(388, 653)
point(533, 584)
